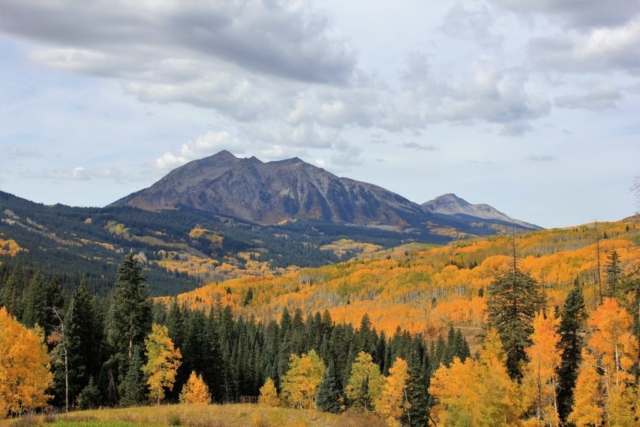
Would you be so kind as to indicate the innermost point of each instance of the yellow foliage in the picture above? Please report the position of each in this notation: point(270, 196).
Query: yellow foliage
point(540, 378)
point(24, 367)
point(163, 362)
point(393, 404)
point(476, 393)
point(269, 394)
point(9, 247)
point(300, 383)
point(195, 391)
point(364, 370)
point(588, 398)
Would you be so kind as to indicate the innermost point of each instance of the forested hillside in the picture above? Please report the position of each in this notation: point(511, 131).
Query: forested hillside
point(424, 289)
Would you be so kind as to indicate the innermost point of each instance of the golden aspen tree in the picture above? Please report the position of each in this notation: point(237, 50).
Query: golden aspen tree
point(24, 367)
point(269, 394)
point(300, 383)
point(195, 391)
point(604, 391)
point(540, 378)
point(588, 406)
point(476, 393)
point(365, 383)
point(617, 348)
point(393, 402)
point(163, 362)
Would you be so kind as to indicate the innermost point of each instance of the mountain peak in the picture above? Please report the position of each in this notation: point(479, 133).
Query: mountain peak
point(451, 205)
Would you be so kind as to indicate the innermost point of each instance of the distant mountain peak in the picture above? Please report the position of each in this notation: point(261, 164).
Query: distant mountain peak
point(451, 205)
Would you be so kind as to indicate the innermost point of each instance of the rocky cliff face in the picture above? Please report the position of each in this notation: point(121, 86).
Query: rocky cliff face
point(267, 193)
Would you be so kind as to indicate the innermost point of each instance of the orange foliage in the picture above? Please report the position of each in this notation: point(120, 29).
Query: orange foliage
point(422, 288)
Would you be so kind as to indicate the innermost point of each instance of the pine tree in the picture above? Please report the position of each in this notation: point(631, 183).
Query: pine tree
point(417, 393)
point(573, 317)
point(83, 340)
point(329, 396)
point(89, 397)
point(134, 390)
point(130, 314)
point(614, 273)
point(513, 300)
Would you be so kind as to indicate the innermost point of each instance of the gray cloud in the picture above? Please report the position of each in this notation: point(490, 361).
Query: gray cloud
point(600, 97)
point(600, 50)
point(416, 146)
point(283, 39)
point(577, 13)
point(543, 158)
point(470, 23)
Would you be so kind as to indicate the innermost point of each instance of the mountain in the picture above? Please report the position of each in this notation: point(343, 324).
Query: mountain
point(450, 205)
point(273, 192)
point(269, 193)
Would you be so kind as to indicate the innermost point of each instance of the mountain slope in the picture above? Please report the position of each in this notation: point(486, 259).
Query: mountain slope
point(269, 193)
point(453, 206)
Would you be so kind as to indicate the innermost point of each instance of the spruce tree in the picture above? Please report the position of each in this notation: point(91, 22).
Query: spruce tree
point(83, 335)
point(614, 273)
point(134, 390)
point(417, 394)
point(329, 398)
point(573, 317)
point(130, 313)
point(513, 301)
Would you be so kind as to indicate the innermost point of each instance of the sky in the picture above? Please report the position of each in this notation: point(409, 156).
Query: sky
point(529, 106)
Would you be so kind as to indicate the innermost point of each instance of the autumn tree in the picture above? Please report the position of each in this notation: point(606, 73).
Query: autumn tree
point(604, 385)
point(269, 394)
point(365, 383)
point(195, 391)
point(24, 367)
point(476, 392)
point(573, 317)
point(393, 404)
point(540, 379)
point(513, 300)
point(300, 383)
point(163, 362)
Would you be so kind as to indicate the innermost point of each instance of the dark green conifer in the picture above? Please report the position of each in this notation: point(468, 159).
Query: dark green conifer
point(513, 301)
point(134, 390)
point(573, 316)
point(329, 398)
point(417, 394)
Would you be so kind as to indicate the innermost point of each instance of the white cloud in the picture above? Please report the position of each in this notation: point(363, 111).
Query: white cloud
point(81, 173)
point(599, 97)
point(24, 152)
point(202, 146)
point(600, 50)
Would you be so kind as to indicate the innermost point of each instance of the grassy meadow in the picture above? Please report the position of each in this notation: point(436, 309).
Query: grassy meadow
point(233, 415)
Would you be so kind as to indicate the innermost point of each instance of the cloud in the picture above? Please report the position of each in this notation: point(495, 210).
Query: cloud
point(86, 174)
point(485, 93)
point(600, 97)
point(202, 146)
point(416, 146)
point(284, 39)
point(543, 158)
point(471, 23)
point(600, 50)
point(582, 14)
point(23, 152)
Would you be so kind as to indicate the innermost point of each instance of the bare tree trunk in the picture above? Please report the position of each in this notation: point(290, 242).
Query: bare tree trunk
point(66, 359)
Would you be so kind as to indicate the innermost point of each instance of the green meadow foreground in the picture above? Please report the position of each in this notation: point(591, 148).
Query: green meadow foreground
point(235, 415)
